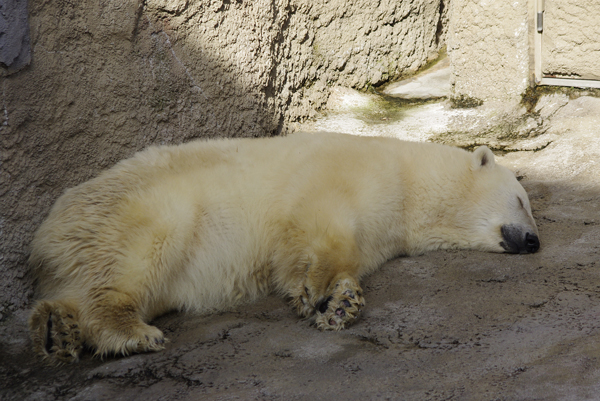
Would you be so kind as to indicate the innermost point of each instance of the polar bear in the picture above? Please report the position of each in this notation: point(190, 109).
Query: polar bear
point(208, 225)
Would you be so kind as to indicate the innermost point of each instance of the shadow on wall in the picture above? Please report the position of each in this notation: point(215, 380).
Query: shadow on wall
point(99, 89)
point(110, 78)
point(15, 52)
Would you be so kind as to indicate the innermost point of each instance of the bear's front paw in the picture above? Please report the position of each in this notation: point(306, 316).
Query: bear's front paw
point(148, 339)
point(138, 337)
point(342, 307)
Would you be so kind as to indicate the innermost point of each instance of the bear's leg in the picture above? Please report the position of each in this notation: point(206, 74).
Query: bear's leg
point(55, 331)
point(114, 325)
point(329, 287)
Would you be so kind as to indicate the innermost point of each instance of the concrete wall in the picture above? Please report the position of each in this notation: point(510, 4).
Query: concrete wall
point(491, 45)
point(489, 49)
point(108, 78)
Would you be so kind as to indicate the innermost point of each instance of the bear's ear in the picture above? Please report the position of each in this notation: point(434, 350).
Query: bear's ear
point(483, 158)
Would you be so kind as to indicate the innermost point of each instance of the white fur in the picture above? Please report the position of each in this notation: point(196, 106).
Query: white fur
point(209, 224)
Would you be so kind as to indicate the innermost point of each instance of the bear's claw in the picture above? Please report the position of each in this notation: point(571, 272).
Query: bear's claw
point(302, 303)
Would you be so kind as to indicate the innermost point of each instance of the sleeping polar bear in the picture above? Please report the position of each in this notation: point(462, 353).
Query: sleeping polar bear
point(208, 225)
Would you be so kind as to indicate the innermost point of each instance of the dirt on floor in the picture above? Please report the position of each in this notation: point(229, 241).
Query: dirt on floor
point(457, 325)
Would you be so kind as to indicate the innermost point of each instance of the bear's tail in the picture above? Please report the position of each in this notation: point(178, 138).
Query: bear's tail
point(56, 332)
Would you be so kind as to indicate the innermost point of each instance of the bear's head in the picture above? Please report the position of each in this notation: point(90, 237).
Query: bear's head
point(498, 208)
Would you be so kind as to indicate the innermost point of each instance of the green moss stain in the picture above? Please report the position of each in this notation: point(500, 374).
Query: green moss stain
point(465, 102)
point(383, 109)
point(532, 95)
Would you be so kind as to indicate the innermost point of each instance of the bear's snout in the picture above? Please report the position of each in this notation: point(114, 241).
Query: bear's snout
point(519, 239)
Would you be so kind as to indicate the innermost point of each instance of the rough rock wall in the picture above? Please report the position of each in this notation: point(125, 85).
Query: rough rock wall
point(108, 78)
point(362, 42)
point(488, 46)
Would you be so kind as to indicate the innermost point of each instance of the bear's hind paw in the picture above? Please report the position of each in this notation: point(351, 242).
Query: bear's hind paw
point(56, 333)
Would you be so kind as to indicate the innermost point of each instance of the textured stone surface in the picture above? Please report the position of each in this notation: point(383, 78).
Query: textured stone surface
point(108, 78)
point(488, 46)
point(571, 45)
point(429, 84)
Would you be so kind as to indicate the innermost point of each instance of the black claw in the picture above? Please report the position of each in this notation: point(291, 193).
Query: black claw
point(49, 341)
point(322, 307)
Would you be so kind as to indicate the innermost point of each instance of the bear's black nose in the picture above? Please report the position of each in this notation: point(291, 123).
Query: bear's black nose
point(532, 243)
point(518, 239)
